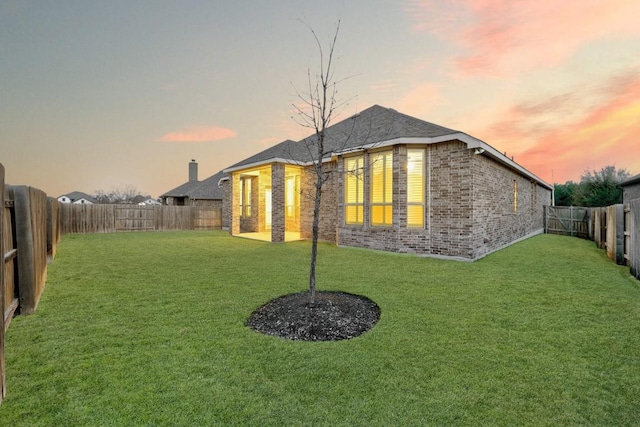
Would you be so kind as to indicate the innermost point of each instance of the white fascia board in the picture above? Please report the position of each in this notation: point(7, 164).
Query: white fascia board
point(262, 163)
point(470, 141)
point(500, 157)
point(467, 139)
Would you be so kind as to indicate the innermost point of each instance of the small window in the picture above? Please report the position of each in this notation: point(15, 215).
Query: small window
point(515, 195)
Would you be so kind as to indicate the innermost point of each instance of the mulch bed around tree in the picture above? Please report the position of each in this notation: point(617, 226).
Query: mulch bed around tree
point(334, 316)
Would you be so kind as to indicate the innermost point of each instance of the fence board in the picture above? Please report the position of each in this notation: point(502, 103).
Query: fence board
point(53, 227)
point(600, 227)
point(134, 218)
point(3, 231)
point(568, 220)
point(205, 218)
point(30, 207)
point(634, 239)
point(85, 218)
point(615, 233)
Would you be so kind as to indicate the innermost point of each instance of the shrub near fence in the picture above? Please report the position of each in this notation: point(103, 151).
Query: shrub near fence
point(85, 218)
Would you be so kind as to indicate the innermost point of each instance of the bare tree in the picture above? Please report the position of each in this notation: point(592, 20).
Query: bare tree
point(122, 195)
point(317, 109)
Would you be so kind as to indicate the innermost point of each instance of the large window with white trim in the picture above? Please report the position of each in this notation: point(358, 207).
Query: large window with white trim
point(381, 201)
point(415, 187)
point(354, 190)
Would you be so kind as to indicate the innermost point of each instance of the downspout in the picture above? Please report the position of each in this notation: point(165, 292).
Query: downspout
point(429, 207)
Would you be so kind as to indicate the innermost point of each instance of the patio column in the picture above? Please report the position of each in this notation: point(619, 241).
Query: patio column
point(277, 203)
point(234, 229)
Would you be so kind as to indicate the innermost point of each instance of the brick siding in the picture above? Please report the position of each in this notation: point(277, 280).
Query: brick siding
point(469, 208)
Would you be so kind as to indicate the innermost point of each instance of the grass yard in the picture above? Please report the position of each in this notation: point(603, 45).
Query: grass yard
point(147, 329)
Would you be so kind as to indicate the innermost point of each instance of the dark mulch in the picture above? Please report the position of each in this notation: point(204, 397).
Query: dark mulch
point(334, 316)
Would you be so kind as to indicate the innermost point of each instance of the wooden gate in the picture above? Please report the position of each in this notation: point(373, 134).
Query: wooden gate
point(568, 220)
point(135, 218)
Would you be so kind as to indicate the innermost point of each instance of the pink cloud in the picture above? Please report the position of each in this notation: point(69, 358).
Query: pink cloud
point(599, 136)
point(502, 37)
point(199, 134)
point(419, 100)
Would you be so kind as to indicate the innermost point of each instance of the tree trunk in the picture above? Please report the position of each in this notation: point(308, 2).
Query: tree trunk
point(314, 240)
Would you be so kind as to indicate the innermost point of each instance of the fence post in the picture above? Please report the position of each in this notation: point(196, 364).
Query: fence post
point(546, 218)
point(620, 235)
point(2, 252)
point(634, 244)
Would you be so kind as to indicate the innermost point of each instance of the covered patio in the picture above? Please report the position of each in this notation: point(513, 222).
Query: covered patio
point(266, 202)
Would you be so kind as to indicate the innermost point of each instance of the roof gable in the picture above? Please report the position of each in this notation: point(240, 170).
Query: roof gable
point(371, 126)
point(77, 195)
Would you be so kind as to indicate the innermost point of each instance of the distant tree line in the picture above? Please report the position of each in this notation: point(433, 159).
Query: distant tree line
point(597, 188)
point(127, 195)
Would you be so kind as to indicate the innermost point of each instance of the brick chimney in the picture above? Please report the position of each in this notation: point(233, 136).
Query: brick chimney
point(193, 171)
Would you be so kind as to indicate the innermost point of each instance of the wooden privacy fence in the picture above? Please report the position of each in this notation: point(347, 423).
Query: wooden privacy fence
point(29, 234)
point(632, 237)
point(85, 218)
point(568, 220)
point(614, 228)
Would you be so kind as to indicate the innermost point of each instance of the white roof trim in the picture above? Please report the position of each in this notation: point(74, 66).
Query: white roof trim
point(264, 163)
point(470, 141)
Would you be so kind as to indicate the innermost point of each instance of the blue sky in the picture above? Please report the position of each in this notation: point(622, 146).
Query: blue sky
point(100, 95)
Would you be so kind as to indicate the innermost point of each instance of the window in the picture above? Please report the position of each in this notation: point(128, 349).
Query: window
point(515, 195)
point(292, 191)
point(382, 188)
point(534, 197)
point(415, 188)
point(353, 190)
point(245, 196)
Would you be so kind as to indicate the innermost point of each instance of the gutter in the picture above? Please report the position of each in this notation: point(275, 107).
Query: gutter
point(481, 147)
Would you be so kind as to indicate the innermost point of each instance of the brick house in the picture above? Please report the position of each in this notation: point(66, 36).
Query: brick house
point(394, 183)
point(194, 192)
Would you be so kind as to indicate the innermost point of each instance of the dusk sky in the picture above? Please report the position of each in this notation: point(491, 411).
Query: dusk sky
point(98, 95)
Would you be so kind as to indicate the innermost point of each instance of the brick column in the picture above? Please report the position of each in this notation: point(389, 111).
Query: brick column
point(234, 229)
point(277, 203)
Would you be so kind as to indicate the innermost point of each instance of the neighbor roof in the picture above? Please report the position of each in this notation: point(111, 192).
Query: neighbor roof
point(206, 189)
point(630, 181)
point(77, 195)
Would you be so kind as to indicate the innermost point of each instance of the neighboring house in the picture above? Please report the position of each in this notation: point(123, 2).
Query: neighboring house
point(207, 192)
point(145, 201)
point(630, 189)
point(77, 197)
point(396, 183)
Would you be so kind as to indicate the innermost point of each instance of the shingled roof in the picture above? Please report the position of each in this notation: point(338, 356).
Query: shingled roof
point(371, 126)
point(77, 195)
point(630, 181)
point(374, 127)
point(206, 189)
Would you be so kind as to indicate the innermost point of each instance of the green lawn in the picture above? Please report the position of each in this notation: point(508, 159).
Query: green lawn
point(147, 329)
